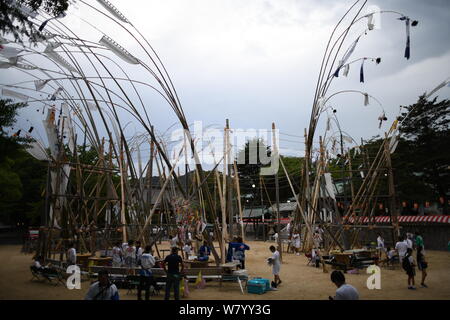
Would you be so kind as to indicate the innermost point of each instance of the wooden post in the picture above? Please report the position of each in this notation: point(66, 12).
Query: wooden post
point(122, 190)
point(238, 190)
point(277, 191)
point(229, 183)
point(262, 209)
point(392, 205)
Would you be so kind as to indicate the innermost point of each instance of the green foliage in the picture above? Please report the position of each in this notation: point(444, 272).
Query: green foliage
point(423, 157)
point(14, 21)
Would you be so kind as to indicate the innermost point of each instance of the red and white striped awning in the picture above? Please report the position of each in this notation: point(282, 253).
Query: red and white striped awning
point(401, 219)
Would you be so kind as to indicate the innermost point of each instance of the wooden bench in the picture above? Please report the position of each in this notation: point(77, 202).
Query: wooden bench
point(214, 273)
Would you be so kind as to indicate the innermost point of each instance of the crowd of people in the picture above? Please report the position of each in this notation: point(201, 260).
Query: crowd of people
point(132, 255)
point(403, 253)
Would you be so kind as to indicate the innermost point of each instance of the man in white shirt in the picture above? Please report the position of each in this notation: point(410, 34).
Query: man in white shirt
point(344, 291)
point(103, 289)
point(71, 255)
point(401, 246)
point(146, 276)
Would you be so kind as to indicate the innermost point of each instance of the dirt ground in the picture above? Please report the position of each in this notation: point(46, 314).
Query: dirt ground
point(299, 280)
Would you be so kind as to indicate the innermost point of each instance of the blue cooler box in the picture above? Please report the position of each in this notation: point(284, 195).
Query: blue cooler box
point(258, 286)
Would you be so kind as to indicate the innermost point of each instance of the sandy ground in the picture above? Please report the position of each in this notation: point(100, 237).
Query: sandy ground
point(299, 280)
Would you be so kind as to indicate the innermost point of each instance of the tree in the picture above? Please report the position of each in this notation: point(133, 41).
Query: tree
point(21, 176)
point(425, 149)
point(14, 18)
point(249, 164)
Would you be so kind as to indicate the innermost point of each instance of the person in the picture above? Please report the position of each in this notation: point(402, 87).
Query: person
point(296, 242)
point(409, 267)
point(380, 242)
point(320, 231)
point(145, 274)
point(173, 240)
point(231, 248)
point(239, 252)
point(130, 254)
point(315, 257)
point(422, 265)
point(401, 248)
point(419, 241)
point(139, 252)
point(408, 240)
point(171, 266)
point(390, 254)
point(317, 239)
point(37, 263)
point(204, 252)
point(102, 289)
point(380, 245)
point(71, 255)
point(116, 255)
point(344, 291)
point(187, 249)
point(274, 261)
point(275, 237)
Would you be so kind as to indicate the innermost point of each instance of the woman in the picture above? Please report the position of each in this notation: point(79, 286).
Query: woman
point(422, 265)
point(274, 261)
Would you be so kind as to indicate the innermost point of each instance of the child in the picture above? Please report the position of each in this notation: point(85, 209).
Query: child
point(422, 265)
point(315, 257)
point(409, 267)
point(274, 261)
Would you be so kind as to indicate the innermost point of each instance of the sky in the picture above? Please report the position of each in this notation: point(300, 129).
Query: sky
point(256, 62)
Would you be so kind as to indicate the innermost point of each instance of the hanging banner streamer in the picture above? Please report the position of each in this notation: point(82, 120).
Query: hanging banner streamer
point(346, 70)
point(361, 71)
point(366, 99)
point(14, 94)
point(346, 56)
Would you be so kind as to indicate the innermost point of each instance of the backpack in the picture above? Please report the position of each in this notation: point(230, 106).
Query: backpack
point(406, 264)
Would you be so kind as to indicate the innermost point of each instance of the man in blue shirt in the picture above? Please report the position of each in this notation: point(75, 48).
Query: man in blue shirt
point(239, 251)
point(204, 252)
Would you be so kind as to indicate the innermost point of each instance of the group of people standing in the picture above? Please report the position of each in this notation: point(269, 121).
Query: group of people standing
point(404, 250)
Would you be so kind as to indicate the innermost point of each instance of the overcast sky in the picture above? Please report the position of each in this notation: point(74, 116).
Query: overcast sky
point(256, 62)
